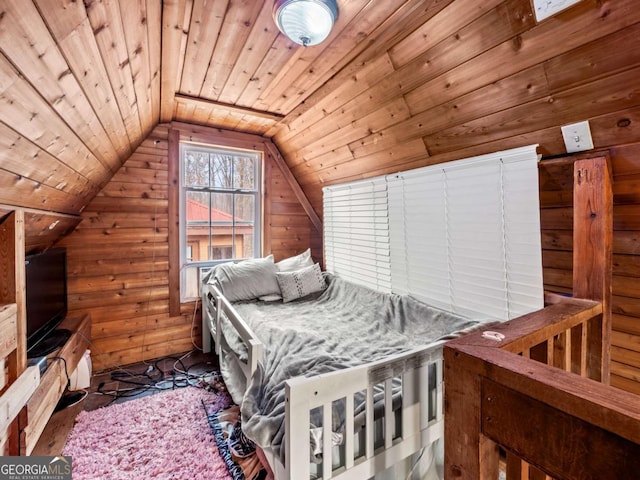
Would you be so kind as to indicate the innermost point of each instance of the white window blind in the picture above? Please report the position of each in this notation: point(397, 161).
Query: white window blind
point(418, 218)
point(469, 237)
point(522, 234)
point(356, 232)
point(464, 235)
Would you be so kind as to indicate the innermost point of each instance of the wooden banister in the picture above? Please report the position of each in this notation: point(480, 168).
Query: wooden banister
point(567, 426)
point(529, 330)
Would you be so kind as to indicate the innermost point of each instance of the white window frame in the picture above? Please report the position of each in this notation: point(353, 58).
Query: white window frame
point(203, 266)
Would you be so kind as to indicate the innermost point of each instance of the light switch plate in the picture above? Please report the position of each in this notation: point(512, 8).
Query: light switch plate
point(546, 8)
point(577, 137)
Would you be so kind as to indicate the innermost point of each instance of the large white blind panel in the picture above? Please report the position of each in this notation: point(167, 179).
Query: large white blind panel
point(476, 254)
point(357, 232)
point(418, 218)
point(522, 230)
point(464, 235)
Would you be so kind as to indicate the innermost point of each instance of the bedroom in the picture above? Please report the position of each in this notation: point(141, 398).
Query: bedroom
point(92, 90)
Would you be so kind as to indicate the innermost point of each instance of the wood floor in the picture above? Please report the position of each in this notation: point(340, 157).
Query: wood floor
point(101, 393)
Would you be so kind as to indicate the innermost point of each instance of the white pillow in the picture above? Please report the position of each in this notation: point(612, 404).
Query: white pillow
point(296, 262)
point(300, 283)
point(248, 279)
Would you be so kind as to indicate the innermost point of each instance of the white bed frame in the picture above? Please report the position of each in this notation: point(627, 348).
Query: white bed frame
point(374, 450)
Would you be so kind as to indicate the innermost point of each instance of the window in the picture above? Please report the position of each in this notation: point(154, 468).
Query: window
point(219, 210)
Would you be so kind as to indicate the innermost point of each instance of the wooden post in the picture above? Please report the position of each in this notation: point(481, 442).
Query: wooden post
point(468, 453)
point(174, 221)
point(12, 284)
point(592, 263)
point(12, 290)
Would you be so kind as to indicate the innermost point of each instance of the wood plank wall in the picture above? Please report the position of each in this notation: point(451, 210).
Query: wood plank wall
point(474, 78)
point(556, 220)
point(118, 258)
point(478, 77)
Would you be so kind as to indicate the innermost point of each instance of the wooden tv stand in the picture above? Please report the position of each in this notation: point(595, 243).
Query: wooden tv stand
point(54, 381)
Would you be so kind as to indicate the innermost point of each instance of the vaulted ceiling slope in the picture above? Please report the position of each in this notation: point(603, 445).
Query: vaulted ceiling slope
point(398, 84)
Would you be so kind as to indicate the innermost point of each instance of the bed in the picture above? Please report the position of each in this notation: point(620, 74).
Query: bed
point(343, 369)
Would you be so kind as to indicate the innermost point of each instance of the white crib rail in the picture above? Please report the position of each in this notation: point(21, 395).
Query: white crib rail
point(221, 306)
point(421, 413)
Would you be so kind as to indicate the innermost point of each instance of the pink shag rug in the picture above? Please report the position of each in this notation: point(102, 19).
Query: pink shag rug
point(162, 436)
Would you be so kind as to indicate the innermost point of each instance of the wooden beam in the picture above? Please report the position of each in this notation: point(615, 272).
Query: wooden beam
point(293, 183)
point(176, 15)
point(211, 105)
point(190, 132)
point(174, 221)
point(12, 291)
point(592, 255)
point(466, 456)
point(8, 337)
point(12, 283)
point(267, 194)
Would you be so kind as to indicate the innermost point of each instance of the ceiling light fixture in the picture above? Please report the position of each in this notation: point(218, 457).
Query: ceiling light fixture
point(307, 22)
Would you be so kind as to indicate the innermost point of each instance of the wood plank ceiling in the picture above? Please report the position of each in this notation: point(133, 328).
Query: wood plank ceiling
point(398, 84)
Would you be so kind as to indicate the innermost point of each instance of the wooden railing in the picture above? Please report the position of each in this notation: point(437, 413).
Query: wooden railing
point(535, 391)
point(528, 394)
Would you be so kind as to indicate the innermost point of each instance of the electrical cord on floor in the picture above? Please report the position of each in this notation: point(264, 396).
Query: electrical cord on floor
point(105, 357)
point(157, 377)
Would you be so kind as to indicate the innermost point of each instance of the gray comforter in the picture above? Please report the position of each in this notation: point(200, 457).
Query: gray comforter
point(344, 326)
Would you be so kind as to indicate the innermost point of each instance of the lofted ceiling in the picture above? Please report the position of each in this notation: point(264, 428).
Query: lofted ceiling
point(398, 84)
point(83, 83)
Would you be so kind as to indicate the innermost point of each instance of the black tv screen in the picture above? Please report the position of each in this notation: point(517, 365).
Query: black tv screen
point(46, 293)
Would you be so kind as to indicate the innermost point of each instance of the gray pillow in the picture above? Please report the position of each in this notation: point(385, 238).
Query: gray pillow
point(300, 283)
point(247, 280)
point(296, 262)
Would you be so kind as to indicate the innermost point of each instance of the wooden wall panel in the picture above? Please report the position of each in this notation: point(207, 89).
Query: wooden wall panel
point(485, 79)
point(118, 263)
point(118, 256)
point(556, 199)
point(77, 85)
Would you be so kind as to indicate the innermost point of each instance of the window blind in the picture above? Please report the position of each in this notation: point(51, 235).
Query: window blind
point(417, 220)
point(356, 232)
point(464, 235)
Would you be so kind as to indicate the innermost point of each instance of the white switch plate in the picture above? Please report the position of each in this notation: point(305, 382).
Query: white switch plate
point(577, 137)
point(546, 8)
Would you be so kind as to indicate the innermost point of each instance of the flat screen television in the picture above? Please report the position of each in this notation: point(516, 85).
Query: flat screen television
point(46, 299)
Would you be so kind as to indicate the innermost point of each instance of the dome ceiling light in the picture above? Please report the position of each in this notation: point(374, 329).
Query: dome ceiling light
point(306, 22)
